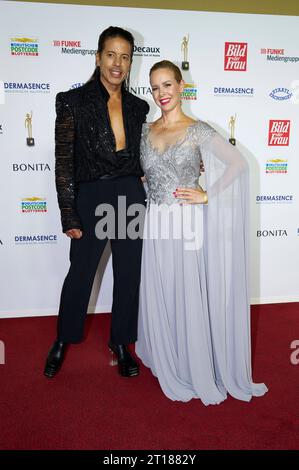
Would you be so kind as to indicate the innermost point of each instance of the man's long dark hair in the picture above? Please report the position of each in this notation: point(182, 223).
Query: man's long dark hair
point(109, 33)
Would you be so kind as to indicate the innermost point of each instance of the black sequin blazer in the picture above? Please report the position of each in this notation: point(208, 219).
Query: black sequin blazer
point(85, 147)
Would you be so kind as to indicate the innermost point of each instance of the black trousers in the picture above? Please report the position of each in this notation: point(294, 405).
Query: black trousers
point(85, 254)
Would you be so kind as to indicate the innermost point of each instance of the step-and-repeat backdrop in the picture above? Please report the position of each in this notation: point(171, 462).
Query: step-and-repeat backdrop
point(242, 76)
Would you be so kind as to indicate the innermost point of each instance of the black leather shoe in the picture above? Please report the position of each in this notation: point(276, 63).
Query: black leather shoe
point(127, 365)
point(55, 359)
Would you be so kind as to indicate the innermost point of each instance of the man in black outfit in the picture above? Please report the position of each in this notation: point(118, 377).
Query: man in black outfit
point(97, 136)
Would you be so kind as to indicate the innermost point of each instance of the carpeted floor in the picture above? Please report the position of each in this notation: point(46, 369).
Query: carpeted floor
point(89, 406)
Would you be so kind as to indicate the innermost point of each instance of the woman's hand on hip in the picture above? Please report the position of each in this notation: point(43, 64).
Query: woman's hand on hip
point(191, 195)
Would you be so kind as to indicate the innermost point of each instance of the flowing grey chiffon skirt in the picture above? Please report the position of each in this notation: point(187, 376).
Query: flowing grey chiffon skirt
point(175, 337)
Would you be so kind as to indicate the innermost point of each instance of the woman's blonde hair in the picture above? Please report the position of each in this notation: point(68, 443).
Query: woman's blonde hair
point(166, 64)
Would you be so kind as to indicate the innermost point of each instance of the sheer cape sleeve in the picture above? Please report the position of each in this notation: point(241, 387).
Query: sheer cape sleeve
point(226, 251)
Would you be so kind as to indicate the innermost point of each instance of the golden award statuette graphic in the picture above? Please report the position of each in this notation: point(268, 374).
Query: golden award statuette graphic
point(28, 125)
point(184, 49)
point(232, 125)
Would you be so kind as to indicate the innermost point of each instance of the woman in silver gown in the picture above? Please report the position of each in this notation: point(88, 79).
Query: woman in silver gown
point(194, 314)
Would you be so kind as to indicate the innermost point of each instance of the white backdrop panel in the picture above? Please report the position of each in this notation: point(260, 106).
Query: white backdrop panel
point(32, 272)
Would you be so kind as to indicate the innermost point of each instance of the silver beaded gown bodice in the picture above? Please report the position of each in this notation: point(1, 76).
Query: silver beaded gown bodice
point(178, 165)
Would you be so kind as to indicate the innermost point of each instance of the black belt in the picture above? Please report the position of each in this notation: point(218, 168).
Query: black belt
point(108, 177)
